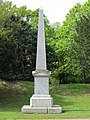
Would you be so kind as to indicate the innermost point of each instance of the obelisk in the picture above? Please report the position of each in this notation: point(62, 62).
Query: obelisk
point(41, 101)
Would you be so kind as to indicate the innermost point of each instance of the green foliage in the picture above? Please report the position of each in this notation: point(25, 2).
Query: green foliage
point(69, 68)
point(17, 43)
point(16, 57)
point(82, 46)
point(18, 36)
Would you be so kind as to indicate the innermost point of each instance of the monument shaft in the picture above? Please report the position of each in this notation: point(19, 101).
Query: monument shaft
point(41, 51)
point(41, 79)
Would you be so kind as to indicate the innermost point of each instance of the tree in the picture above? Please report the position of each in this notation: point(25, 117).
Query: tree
point(17, 49)
point(67, 64)
point(82, 46)
point(17, 41)
point(18, 36)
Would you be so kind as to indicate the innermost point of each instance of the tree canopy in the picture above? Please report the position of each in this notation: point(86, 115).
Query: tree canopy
point(18, 36)
point(68, 45)
point(71, 57)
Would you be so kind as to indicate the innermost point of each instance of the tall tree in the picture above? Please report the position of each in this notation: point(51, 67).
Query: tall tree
point(68, 66)
point(82, 46)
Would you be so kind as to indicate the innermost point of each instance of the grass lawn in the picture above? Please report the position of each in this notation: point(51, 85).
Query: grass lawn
point(73, 98)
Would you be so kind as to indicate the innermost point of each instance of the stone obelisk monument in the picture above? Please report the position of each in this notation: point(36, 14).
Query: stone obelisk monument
point(41, 101)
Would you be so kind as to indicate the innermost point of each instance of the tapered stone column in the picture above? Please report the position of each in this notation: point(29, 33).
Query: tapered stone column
point(41, 101)
point(41, 49)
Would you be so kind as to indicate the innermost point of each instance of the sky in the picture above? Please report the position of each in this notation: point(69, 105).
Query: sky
point(55, 10)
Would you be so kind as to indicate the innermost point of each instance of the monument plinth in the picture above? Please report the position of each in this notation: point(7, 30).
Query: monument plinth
point(41, 101)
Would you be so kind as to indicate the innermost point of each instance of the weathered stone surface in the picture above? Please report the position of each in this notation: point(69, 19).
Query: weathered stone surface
point(41, 73)
point(41, 85)
point(41, 49)
point(41, 101)
point(34, 110)
point(55, 109)
point(41, 110)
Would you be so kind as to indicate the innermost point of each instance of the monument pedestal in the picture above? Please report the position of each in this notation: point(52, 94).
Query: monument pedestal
point(41, 102)
point(55, 109)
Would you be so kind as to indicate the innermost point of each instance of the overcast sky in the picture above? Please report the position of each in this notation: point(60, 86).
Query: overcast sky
point(55, 10)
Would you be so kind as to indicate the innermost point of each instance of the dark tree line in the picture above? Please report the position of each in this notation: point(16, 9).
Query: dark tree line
point(18, 38)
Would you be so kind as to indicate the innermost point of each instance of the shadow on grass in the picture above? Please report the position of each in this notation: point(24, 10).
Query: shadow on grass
point(13, 97)
point(13, 100)
point(74, 110)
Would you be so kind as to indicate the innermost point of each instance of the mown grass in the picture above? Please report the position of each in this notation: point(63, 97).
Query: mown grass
point(73, 98)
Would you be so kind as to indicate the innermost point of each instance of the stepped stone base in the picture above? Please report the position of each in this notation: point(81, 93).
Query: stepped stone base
point(55, 109)
point(41, 104)
point(41, 101)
